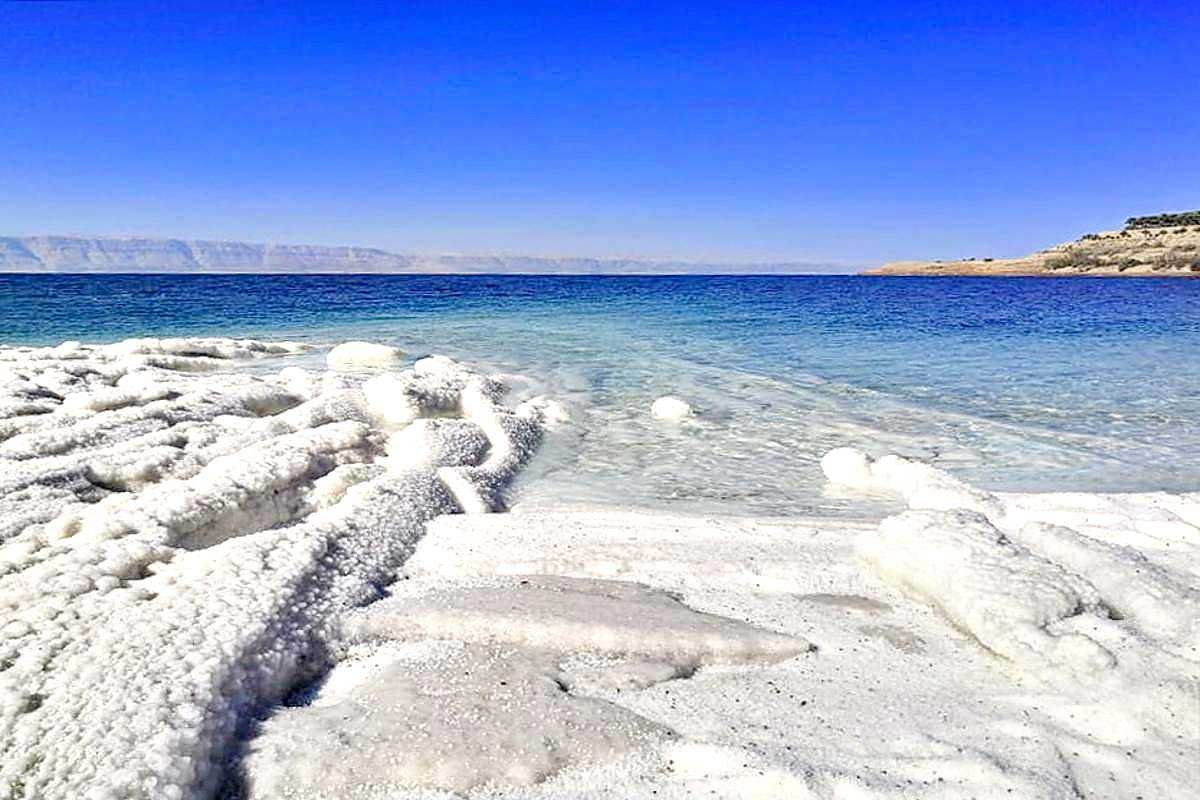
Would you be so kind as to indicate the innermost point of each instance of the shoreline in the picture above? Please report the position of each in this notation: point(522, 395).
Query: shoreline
point(275, 567)
point(1053, 275)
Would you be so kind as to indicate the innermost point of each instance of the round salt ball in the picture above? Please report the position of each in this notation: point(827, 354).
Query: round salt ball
point(363, 355)
point(846, 466)
point(671, 408)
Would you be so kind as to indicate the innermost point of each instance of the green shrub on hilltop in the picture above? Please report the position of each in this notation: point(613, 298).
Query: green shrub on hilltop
point(1164, 220)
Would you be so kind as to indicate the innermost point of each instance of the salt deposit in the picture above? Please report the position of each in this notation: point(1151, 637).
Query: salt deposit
point(466, 718)
point(177, 549)
point(1006, 596)
point(258, 585)
point(508, 704)
point(671, 408)
point(360, 355)
point(615, 618)
point(896, 701)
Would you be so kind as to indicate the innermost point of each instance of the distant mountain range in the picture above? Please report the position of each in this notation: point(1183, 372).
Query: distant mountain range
point(119, 254)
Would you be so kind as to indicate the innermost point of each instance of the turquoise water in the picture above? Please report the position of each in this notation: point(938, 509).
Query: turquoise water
point(1024, 384)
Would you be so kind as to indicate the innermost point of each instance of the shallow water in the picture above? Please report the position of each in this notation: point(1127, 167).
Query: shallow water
point(1017, 384)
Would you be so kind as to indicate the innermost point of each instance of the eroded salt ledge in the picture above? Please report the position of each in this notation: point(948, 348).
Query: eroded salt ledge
point(198, 576)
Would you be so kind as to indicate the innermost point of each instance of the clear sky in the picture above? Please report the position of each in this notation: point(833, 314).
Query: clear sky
point(746, 130)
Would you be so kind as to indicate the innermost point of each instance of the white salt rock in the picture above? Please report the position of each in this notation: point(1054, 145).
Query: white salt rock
point(1010, 599)
point(846, 466)
point(390, 401)
point(438, 442)
point(1159, 600)
point(921, 485)
point(299, 381)
point(359, 355)
point(671, 408)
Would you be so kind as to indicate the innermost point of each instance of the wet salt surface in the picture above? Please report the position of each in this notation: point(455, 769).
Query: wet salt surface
point(1015, 385)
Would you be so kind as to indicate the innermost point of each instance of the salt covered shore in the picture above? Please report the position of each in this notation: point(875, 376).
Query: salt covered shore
point(218, 582)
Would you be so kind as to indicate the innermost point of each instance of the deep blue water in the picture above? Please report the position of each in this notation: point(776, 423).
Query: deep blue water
point(1013, 383)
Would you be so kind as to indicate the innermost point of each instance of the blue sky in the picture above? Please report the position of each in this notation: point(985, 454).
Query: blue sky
point(856, 132)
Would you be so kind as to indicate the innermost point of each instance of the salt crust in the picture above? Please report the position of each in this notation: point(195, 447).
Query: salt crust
point(1009, 568)
point(507, 708)
point(899, 700)
point(179, 540)
point(185, 545)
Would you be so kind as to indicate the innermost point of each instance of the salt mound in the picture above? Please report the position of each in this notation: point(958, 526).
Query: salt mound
point(438, 442)
point(922, 485)
point(1163, 602)
point(178, 541)
point(1008, 598)
point(671, 408)
point(1021, 572)
point(360, 355)
point(848, 467)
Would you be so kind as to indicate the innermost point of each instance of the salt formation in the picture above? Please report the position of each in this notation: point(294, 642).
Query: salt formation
point(615, 618)
point(671, 408)
point(359, 355)
point(180, 539)
point(454, 722)
point(1071, 540)
point(1010, 599)
point(921, 485)
point(897, 702)
point(1046, 582)
point(1161, 601)
point(505, 704)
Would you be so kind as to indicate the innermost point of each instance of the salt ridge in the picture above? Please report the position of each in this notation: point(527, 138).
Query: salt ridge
point(177, 550)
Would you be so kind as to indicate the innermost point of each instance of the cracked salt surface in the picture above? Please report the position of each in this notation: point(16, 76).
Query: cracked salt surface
point(214, 582)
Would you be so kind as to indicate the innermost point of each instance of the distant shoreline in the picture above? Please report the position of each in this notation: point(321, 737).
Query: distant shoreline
point(1158, 246)
point(872, 273)
point(879, 273)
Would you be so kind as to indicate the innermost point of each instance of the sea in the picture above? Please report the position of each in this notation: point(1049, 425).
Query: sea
point(1013, 384)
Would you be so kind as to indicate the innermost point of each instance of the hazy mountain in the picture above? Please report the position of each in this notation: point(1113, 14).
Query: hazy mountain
point(114, 254)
